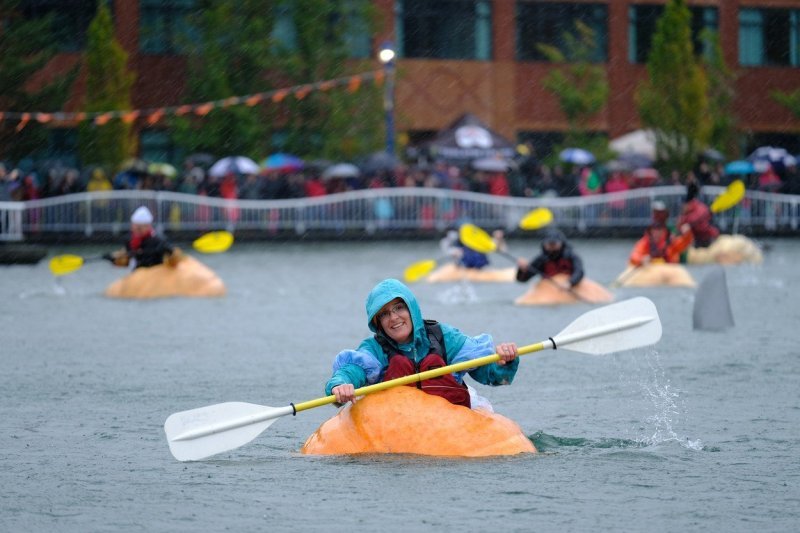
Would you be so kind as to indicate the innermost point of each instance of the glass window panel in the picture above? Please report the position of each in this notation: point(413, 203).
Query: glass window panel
point(642, 20)
point(164, 25)
point(548, 22)
point(445, 29)
point(751, 37)
point(71, 19)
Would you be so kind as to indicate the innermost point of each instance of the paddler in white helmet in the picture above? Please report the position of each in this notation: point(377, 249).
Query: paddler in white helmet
point(405, 344)
point(144, 248)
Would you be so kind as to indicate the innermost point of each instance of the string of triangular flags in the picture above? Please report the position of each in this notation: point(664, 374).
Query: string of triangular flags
point(153, 115)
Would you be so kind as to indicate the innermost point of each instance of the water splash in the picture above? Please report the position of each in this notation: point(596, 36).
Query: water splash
point(666, 407)
point(458, 294)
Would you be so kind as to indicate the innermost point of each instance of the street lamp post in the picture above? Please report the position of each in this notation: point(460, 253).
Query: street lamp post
point(386, 55)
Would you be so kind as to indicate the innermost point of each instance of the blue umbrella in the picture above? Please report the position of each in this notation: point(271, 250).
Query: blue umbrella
point(739, 167)
point(577, 156)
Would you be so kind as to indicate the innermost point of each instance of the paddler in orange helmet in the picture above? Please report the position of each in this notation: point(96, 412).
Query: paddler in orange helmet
point(659, 244)
point(404, 343)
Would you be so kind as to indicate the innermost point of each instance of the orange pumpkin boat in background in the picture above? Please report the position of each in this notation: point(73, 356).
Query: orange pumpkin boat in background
point(552, 292)
point(405, 420)
point(189, 277)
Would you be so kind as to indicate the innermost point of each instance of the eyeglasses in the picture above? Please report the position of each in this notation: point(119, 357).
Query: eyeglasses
point(397, 309)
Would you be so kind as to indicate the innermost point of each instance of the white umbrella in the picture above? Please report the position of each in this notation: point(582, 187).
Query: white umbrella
point(237, 164)
point(637, 142)
point(341, 170)
point(577, 156)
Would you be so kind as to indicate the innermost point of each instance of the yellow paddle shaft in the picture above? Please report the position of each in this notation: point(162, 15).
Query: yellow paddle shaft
point(428, 374)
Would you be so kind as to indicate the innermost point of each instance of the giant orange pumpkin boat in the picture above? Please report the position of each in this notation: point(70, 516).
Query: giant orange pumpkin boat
point(451, 272)
point(553, 291)
point(188, 278)
point(405, 420)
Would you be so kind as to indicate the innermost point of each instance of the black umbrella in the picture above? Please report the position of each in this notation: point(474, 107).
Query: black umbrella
point(379, 161)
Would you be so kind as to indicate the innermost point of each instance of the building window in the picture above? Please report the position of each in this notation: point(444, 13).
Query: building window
point(164, 26)
point(642, 25)
point(71, 19)
point(549, 22)
point(356, 33)
point(444, 29)
point(769, 37)
point(354, 30)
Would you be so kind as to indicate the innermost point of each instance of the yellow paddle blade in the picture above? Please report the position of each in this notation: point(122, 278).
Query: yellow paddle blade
point(418, 270)
point(536, 219)
point(729, 198)
point(476, 239)
point(214, 242)
point(61, 265)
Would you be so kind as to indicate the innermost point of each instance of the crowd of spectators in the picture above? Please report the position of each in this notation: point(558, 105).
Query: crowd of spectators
point(525, 177)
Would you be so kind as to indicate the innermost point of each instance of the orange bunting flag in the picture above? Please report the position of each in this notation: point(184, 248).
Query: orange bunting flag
point(23, 121)
point(280, 95)
point(203, 109)
point(253, 100)
point(129, 117)
point(155, 116)
point(151, 117)
point(354, 84)
point(302, 92)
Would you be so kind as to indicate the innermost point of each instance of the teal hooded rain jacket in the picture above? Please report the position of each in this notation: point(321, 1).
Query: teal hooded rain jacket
point(366, 364)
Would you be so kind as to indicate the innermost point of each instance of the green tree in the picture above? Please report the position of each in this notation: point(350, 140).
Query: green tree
point(228, 57)
point(673, 100)
point(108, 88)
point(337, 124)
point(237, 54)
point(581, 87)
point(790, 100)
point(25, 47)
point(721, 93)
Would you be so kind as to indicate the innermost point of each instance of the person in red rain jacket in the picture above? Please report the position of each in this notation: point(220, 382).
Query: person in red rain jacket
point(698, 216)
point(658, 244)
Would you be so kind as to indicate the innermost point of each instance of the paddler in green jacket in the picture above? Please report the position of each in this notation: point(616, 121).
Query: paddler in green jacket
point(405, 344)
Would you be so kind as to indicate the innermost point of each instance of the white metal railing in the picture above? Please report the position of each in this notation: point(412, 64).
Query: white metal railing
point(379, 212)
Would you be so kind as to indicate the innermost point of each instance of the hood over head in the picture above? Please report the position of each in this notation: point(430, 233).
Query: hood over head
point(386, 291)
point(553, 236)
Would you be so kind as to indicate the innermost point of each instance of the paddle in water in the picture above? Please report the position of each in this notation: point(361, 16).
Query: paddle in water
point(199, 433)
point(211, 243)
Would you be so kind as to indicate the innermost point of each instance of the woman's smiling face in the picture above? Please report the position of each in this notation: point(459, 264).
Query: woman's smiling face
point(394, 319)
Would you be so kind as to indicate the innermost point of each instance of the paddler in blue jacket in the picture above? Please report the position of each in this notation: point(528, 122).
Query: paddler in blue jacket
point(405, 344)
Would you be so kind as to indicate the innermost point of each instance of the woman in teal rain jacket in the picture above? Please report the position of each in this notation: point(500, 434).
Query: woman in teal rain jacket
point(404, 343)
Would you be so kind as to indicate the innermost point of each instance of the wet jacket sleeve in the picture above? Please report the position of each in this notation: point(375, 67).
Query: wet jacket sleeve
point(577, 268)
point(354, 366)
point(640, 250)
point(492, 374)
point(535, 267)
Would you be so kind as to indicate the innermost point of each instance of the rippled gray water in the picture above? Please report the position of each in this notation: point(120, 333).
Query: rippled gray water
point(699, 433)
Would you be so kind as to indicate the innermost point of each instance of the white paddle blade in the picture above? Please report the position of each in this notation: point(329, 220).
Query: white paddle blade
point(613, 328)
point(199, 433)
